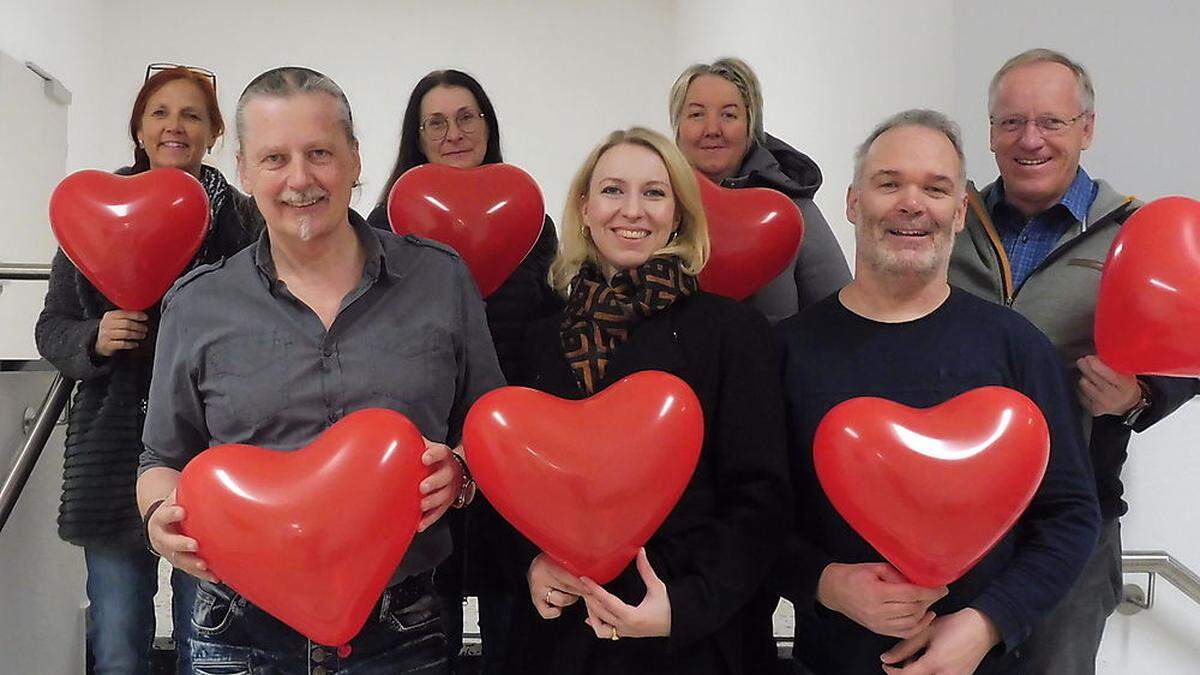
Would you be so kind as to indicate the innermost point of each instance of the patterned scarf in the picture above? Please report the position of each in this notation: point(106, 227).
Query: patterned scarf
point(217, 189)
point(599, 314)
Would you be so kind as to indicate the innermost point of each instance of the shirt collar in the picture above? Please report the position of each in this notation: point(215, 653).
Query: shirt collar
point(374, 261)
point(1076, 200)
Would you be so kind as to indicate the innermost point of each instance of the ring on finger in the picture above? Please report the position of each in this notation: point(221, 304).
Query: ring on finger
point(613, 635)
point(547, 598)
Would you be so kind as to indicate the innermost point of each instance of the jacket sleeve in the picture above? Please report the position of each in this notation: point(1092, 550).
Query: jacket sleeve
point(65, 335)
point(720, 563)
point(1058, 531)
point(478, 369)
point(1167, 394)
point(821, 267)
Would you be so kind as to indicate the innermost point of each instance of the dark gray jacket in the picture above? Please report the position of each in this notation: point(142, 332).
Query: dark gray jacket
point(820, 267)
point(1059, 297)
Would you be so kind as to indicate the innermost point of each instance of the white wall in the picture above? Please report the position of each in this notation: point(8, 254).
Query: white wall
point(1142, 58)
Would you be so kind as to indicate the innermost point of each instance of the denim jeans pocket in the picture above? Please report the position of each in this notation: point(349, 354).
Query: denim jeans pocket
point(423, 615)
point(214, 610)
point(220, 667)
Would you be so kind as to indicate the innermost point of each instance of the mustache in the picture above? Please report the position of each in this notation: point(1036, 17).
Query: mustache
point(297, 197)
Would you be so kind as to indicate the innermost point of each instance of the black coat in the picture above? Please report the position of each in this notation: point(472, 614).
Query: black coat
point(716, 545)
point(104, 430)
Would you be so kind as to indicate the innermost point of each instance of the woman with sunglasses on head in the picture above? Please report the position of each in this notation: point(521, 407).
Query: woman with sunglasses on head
point(450, 120)
point(635, 238)
point(716, 111)
point(174, 122)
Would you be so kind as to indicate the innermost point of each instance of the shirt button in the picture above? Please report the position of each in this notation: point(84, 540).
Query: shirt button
point(328, 353)
point(318, 654)
point(333, 416)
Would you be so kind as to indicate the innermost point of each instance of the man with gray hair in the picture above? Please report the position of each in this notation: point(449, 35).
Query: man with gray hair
point(900, 332)
point(1036, 240)
point(323, 317)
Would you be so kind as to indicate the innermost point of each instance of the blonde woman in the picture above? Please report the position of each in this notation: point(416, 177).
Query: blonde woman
point(634, 238)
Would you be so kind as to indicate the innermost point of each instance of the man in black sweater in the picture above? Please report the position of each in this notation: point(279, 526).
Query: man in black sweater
point(900, 332)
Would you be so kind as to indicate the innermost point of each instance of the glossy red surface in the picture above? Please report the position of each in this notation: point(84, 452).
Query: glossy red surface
point(1148, 308)
point(491, 215)
point(753, 232)
point(131, 236)
point(933, 489)
point(587, 481)
point(311, 536)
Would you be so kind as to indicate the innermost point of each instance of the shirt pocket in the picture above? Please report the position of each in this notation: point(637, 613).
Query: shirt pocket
point(247, 383)
point(414, 370)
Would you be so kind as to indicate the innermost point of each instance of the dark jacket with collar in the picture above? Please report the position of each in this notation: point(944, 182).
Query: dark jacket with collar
point(820, 267)
point(1059, 297)
point(104, 430)
point(716, 545)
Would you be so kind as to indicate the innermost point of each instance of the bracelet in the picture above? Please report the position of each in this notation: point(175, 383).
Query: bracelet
point(466, 492)
point(146, 524)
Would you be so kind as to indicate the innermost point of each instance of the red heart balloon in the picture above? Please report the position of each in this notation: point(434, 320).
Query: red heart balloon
point(1148, 307)
point(491, 215)
point(753, 235)
point(933, 489)
point(131, 236)
point(587, 481)
point(314, 535)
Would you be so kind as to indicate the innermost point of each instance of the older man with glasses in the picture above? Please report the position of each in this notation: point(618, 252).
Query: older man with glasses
point(1036, 240)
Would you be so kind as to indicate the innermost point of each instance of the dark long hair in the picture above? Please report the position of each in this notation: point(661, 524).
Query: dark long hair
point(141, 161)
point(410, 154)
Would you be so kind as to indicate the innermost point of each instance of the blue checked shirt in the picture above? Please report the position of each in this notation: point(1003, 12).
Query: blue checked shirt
point(1028, 242)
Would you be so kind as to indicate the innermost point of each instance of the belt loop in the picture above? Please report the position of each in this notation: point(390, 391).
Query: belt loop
point(384, 602)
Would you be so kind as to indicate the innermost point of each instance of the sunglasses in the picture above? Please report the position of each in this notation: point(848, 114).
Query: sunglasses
point(161, 66)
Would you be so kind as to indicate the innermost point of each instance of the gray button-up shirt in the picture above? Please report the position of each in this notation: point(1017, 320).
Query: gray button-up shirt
point(239, 359)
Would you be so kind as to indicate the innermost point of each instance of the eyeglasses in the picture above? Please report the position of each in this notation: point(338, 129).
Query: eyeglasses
point(163, 65)
point(436, 126)
point(1047, 124)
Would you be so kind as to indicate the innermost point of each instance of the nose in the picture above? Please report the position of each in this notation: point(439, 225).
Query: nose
point(1031, 136)
point(712, 125)
point(299, 174)
point(631, 208)
point(911, 202)
point(453, 131)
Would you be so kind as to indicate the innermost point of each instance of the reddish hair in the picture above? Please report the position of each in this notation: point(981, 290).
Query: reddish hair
point(141, 161)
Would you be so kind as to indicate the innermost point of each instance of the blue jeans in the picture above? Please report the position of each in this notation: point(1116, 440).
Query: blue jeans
point(121, 583)
point(403, 634)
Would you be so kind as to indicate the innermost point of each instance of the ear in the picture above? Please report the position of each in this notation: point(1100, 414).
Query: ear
point(357, 163)
point(852, 204)
point(244, 174)
point(960, 214)
point(1089, 127)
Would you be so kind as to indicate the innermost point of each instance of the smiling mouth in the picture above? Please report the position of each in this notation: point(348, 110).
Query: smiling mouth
point(631, 235)
point(305, 204)
point(908, 233)
point(1032, 162)
point(174, 145)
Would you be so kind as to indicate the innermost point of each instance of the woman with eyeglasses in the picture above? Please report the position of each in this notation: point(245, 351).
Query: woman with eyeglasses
point(174, 123)
point(450, 120)
point(716, 111)
point(635, 238)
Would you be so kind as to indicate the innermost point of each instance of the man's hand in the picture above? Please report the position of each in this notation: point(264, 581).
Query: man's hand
point(441, 486)
point(1104, 391)
point(954, 645)
point(612, 618)
point(551, 587)
point(877, 597)
point(120, 329)
point(180, 551)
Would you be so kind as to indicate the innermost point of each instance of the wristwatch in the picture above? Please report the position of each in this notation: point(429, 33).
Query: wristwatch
point(467, 492)
point(1131, 417)
point(146, 525)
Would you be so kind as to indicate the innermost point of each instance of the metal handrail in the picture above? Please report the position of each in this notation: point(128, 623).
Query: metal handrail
point(35, 442)
point(15, 271)
point(1155, 564)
